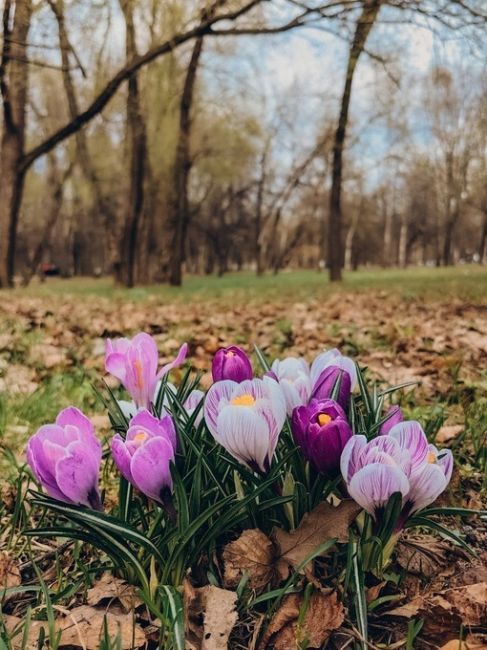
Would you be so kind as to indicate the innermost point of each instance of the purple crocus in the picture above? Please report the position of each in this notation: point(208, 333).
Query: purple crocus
point(231, 363)
point(246, 419)
point(333, 358)
point(144, 457)
point(135, 362)
point(394, 416)
point(400, 461)
point(321, 431)
point(328, 378)
point(293, 376)
point(65, 458)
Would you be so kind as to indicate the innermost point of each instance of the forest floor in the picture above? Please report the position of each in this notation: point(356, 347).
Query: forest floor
point(428, 325)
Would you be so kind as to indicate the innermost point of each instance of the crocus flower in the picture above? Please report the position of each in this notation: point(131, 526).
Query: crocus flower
point(401, 461)
point(324, 385)
point(321, 431)
point(246, 419)
point(394, 416)
point(144, 457)
point(65, 458)
point(293, 377)
point(231, 363)
point(135, 362)
point(333, 358)
point(192, 402)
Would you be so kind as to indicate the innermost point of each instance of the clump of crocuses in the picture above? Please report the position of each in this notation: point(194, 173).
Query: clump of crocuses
point(65, 458)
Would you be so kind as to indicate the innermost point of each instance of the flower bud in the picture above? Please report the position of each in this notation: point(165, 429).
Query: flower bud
point(231, 363)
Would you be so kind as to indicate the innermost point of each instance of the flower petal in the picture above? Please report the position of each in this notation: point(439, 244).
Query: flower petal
point(410, 436)
point(372, 486)
point(77, 475)
point(426, 486)
point(181, 356)
point(244, 434)
point(150, 467)
point(219, 394)
point(350, 455)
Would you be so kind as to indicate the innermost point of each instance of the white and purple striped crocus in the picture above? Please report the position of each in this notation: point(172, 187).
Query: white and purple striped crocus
point(65, 458)
point(293, 376)
point(394, 416)
point(331, 358)
point(399, 461)
point(321, 431)
point(231, 363)
point(144, 457)
point(246, 419)
point(135, 364)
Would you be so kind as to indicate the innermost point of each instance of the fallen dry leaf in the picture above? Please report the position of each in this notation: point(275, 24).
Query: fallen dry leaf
point(470, 643)
point(423, 555)
point(109, 588)
point(323, 523)
point(323, 615)
point(210, 616)
point(82, 627)
point(449, 432)
point(253, 553)
point(9, 571)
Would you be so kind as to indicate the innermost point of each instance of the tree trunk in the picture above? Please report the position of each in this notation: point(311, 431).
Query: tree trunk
point(13, 85)
point(367, 18)
point(180, 215)
point(483, 238)
point(137, 141)
point(403, 244)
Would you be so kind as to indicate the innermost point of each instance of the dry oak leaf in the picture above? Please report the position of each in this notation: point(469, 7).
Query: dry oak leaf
point(82, 627)
point(423, 555)
point(323, 523)
point(471, 643)
point(252, 553)
point(210, 616)
point(324, 614)
point(449, 432)
point(9, 572)
point(109, 588)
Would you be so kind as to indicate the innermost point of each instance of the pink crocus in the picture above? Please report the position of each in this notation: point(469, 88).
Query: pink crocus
point(332, 358)
point(145, 455)
point(246, 419)
point(65, 458)
point(400, 461)
point(394, 416)
point(135, 363)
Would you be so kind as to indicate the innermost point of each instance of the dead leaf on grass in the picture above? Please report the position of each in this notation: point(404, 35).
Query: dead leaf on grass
point(82, 627)
point(323, 523)
point(109, 588)
point(253, 553)
point(210, 616)
point(323, 615)
point(9, 572)
point(423, 555)
point(449, 432)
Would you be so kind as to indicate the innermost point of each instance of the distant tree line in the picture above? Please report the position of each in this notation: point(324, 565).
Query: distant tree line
point(152, 166)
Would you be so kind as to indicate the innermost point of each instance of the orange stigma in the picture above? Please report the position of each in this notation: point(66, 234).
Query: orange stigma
point(323, 419)
point(140, 436)
point(229, 354)
point(431, 458)
point(243, 400)
point(138, 373)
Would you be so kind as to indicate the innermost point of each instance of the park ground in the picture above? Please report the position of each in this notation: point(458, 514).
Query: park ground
point(423, 325)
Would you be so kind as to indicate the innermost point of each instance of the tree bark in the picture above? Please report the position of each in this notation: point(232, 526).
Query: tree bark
point(180, 213)
point(365, 22)
point(483, 237)
point(103, 207)
point(13, 86)
point(137, 142)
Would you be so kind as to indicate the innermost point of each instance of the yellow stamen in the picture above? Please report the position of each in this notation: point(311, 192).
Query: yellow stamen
point(243, 400)
point(138, 371)
point(140, 436)
point(229, 354)
point(431, 457)
point(323, 419)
